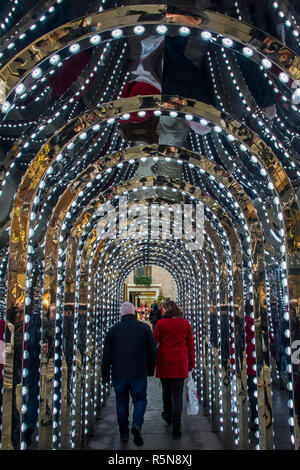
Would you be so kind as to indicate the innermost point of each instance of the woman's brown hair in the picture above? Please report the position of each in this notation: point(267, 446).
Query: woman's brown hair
point(172, 309)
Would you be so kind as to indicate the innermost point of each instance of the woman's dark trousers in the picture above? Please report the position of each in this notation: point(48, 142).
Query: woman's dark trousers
point(172, 398)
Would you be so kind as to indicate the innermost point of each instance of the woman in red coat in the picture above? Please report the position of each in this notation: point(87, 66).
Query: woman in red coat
point(176, 356)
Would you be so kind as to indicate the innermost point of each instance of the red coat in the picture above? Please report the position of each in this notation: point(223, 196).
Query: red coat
point(176, 349)
point(134, 88)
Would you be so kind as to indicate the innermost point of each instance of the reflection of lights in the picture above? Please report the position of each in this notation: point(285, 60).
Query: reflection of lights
point(54, 59)
point(227, 42)
point(206, 35)
point(74, 48)
point(117, 33)
point(23, 409)
point(37, 73)
point(275, 236)
point(283, 77)
point(138, 30)
point(96, 39)
point(266, 63)
point(184, 31)
point(247, 52)
point(186, 118)
point(161, 29)
point(6, 106)
point(20, 89)
point(296, 96)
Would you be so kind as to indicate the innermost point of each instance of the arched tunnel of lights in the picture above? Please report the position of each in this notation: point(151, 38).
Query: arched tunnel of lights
point(85, 200)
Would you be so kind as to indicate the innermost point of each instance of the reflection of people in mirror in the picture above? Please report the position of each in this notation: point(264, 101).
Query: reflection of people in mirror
point(188, 20)
point(14, 345)
point(250, 362)
point(145, 80)
point(48, 340)
point(239, 341)
point(2, 362)
point(295, 328)
point(284, 55)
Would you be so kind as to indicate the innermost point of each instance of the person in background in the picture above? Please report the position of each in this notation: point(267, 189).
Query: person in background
point(155, 315)
point(176, 356)
point(161, 307)
point(130, 355)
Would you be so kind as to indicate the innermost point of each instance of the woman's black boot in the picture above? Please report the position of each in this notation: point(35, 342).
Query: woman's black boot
point(167, 418)
point(176, 432)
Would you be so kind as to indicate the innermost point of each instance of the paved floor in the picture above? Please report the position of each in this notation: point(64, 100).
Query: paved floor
point(282, 438)
point(196, 433)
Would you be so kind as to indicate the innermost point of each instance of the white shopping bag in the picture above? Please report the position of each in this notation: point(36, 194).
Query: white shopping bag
point(192, 404)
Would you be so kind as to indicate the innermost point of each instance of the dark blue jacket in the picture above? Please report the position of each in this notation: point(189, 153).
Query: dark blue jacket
point(129, 351)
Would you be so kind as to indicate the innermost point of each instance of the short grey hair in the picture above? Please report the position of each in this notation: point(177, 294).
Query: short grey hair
point(127, 308)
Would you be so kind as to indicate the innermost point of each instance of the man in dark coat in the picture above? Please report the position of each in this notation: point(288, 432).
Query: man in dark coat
point(130, 353)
